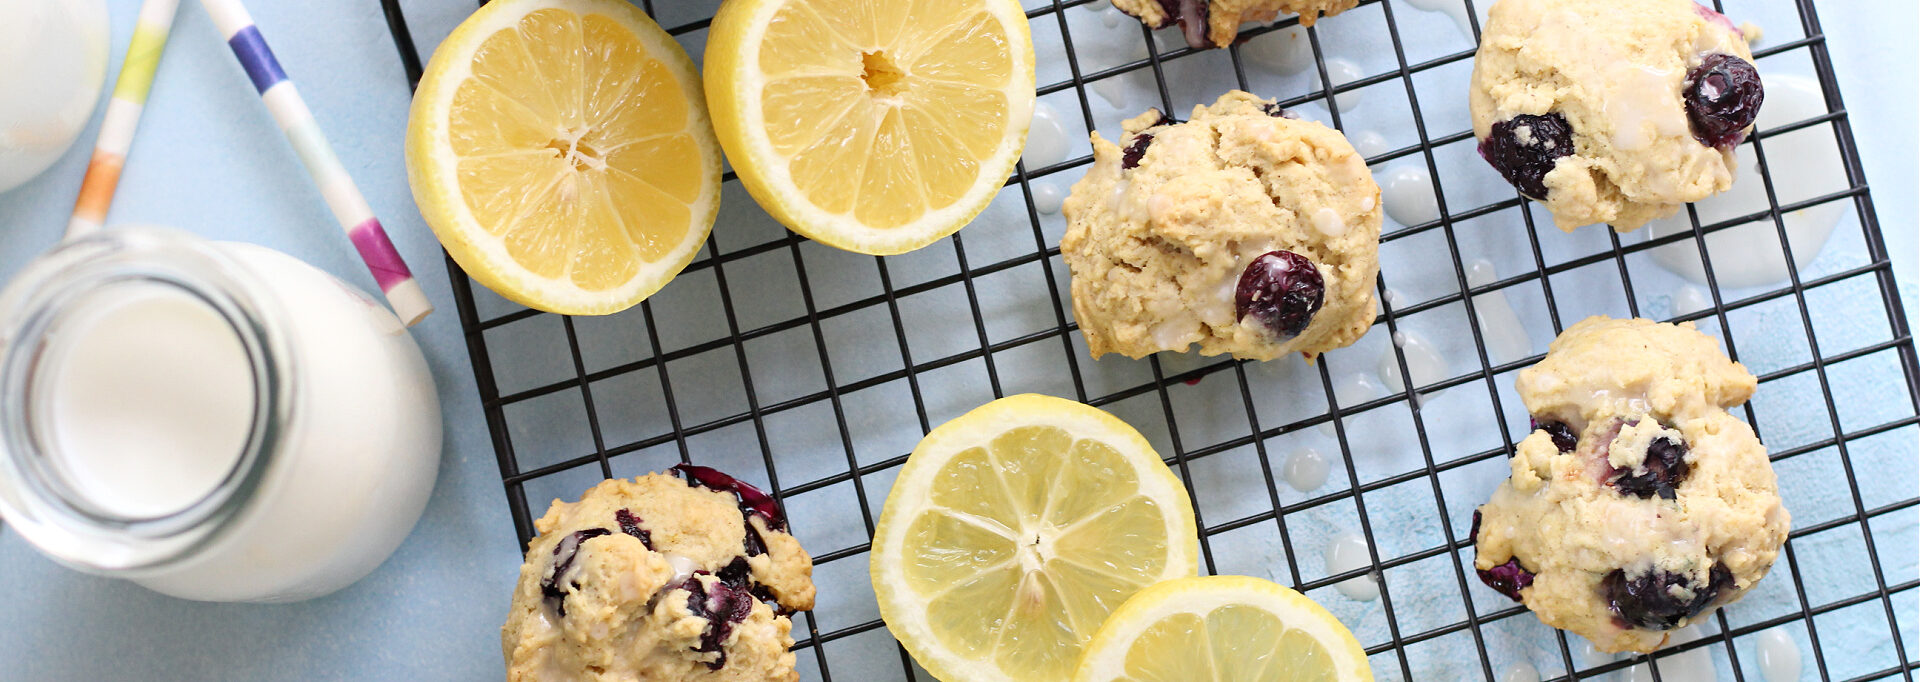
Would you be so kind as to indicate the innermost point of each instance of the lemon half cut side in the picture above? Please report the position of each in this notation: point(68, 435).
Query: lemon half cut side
point(875, 126)
point(1013, 530)
point(1222, 629)
point(562, 153)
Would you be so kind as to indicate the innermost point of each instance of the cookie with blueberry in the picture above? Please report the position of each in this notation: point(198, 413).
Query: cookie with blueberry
point(1242, 230)
point(659, 578)
point(1216, 23)
point(1638, 504)
point(1613, 112)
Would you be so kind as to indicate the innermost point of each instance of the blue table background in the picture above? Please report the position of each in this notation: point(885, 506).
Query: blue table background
point(209, 159)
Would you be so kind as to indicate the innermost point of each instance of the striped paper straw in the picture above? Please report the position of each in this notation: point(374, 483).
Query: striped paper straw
point(296, 121)
point(123, 116)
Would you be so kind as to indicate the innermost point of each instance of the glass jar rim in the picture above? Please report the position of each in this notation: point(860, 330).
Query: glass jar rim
point(41, 502)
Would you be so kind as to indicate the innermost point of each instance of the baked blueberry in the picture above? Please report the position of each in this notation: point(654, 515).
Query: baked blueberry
point(1282, 290)
point(1632, 78)
point(724, 606)
point(752, 500)
point(1563, 436)
point(1659, 600)
point(1192, 16)
point(630, 525)
point(1275, 110)
point(563, 556)
point(1665, 465)
point(1508, 578)
point(1526, 147)
point(1136, 150)
point(1723, 96)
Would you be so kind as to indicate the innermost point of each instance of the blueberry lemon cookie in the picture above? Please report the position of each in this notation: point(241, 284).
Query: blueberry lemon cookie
point(1612, 112)
point(1638, 504)
point(1242, 230)
point(659, 579)
point(1215, 23)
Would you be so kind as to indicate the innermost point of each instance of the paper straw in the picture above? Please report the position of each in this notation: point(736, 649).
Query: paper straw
point(297, 122)
point(123, 116)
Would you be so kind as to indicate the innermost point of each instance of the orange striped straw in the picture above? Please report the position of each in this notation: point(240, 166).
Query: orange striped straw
point(123, 116)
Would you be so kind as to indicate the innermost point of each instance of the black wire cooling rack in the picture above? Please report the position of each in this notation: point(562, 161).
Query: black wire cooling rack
point(1395, 653)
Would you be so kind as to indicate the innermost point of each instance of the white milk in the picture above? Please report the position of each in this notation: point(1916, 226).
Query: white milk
point(54, 54)
point(151, 402)
point(1689, 299)
point(250, 428)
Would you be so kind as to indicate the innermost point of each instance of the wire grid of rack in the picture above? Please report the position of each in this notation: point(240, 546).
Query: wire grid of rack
point(1390, 653)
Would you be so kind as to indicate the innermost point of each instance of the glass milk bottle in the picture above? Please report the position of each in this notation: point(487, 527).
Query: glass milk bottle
point(53, 59)
point(214, 421)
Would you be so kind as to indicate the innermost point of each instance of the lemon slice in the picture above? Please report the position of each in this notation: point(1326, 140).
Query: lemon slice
point(876, 126)
point(561, 151)
point(1014, 529)
point(1225, 628)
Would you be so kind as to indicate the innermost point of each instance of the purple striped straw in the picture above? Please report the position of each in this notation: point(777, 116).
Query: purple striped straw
point(296, 121)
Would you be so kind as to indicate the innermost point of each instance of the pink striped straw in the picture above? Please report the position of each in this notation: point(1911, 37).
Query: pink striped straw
point(123, 116)
point(342, 196)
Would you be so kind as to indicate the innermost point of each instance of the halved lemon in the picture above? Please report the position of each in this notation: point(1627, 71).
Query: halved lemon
point(1013, 530)
point(876, 126)
point(562, 153)
point(1224, 628)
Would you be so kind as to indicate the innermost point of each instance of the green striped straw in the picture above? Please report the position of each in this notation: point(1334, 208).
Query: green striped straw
point(123, 116)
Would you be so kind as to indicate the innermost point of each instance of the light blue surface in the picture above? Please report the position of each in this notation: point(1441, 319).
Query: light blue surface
point(209, 159)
